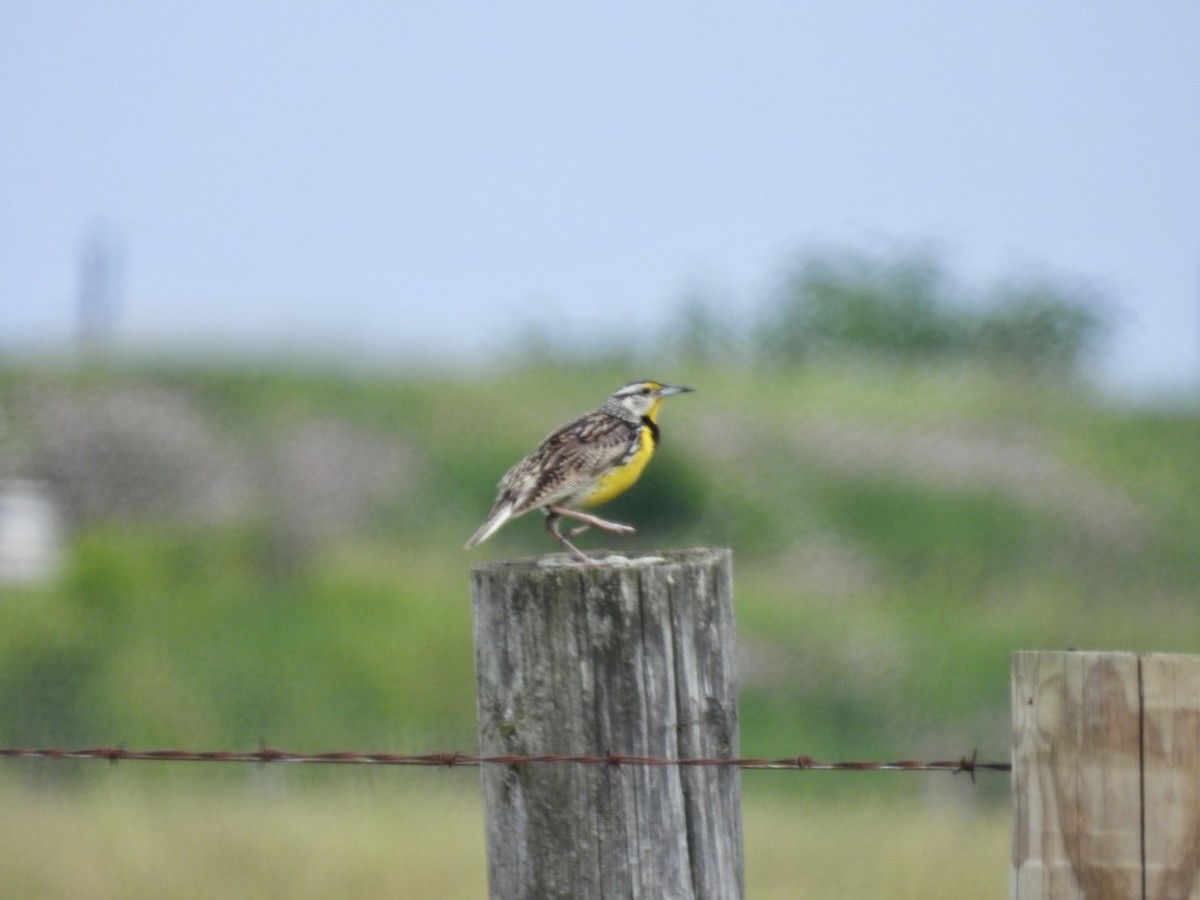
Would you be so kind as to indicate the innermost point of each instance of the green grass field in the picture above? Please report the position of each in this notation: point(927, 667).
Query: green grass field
point(275, 553)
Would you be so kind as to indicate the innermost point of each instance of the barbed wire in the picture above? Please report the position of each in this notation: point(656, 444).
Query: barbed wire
point(449, 759)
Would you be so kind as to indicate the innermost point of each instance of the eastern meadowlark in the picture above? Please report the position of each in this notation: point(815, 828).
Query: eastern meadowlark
point(587, 462)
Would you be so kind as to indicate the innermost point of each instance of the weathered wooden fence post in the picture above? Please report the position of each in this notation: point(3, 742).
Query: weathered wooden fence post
point(1106, 776)
point(634, 657)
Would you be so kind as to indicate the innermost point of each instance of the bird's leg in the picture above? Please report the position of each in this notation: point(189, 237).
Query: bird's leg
point(552, 526)
point(590, 521)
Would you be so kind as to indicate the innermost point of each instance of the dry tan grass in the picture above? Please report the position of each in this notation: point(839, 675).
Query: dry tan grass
point(868, 852)
point(144, 843)
point(423, 838)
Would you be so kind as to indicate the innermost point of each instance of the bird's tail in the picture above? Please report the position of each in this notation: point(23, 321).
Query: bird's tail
point(499, 516)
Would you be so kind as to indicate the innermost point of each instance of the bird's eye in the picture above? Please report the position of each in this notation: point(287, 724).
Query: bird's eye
point(645, 390)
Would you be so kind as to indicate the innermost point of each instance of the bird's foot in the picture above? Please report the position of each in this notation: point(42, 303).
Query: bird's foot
point(554, 512)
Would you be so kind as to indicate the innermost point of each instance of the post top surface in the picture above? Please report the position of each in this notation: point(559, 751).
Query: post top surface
point(608, 559)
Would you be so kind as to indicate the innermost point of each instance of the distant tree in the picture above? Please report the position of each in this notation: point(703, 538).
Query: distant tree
point(906, 307)
point(699, 333)
point(847, 301)
point(1042, 323)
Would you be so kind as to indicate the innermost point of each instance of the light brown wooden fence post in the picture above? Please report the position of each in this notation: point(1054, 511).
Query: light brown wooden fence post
point(635, 658)
point(1106, 776)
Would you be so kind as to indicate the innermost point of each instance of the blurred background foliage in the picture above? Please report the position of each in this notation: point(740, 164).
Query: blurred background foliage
point(916, 478)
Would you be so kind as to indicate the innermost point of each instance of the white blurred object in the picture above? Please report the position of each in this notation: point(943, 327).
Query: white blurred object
point(30, 532)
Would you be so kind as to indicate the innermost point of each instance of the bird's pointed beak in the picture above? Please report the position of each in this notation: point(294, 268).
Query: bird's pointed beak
point(667, 389)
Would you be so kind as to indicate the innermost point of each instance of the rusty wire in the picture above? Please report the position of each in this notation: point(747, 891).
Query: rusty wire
point(445, 759)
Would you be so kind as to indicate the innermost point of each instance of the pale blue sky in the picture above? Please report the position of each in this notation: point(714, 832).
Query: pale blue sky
point(405, 177)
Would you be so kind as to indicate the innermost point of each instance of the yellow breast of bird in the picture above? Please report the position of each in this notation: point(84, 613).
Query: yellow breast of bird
point(622, 476)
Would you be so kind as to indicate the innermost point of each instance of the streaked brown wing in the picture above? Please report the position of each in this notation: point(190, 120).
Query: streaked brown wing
point(566, 461)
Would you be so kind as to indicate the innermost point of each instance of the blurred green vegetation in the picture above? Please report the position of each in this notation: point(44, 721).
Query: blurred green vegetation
point(898, 531)
point(914, 485)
